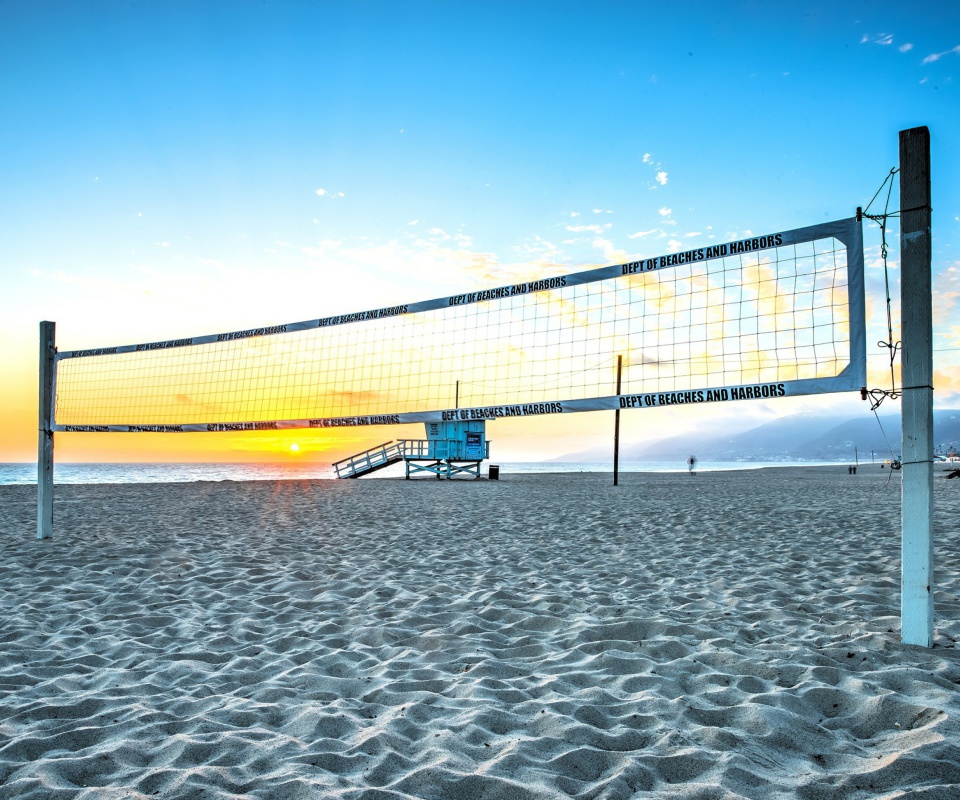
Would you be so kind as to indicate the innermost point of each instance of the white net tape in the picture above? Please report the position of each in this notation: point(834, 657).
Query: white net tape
point(780, 314)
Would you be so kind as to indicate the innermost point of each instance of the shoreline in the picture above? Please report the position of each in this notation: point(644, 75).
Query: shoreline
point(26, 472)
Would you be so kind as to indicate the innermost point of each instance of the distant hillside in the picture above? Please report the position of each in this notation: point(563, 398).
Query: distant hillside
point(807, 437)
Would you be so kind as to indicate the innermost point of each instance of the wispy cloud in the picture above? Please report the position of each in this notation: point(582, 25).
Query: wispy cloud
point(947, 380)
point(665, 212)
point(641, 234)
point(416, 263)
point(610, 251)
point(322, 248)
point(538, 246)
point(321, 192)
point(946, 293)
point(598, 229)
point(937, 56)
point(660, 175)
point(602, 211)
point(905, 48)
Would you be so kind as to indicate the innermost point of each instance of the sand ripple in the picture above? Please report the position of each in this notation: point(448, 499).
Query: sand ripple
point(726, 636)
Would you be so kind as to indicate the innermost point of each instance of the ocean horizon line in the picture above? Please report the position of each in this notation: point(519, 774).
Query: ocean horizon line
point(108, 472)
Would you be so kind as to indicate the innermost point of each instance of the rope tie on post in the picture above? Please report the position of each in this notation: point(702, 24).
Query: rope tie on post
point(877, 396)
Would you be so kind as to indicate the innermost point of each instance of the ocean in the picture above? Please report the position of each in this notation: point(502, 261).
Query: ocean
point(26, 473)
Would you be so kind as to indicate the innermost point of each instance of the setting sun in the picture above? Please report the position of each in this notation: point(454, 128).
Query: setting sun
point(295, 447)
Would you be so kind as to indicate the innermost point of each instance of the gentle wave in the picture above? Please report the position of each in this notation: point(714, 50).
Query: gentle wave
point(25, 473)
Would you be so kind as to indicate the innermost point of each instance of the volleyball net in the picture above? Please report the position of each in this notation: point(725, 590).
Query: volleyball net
point(766, 316)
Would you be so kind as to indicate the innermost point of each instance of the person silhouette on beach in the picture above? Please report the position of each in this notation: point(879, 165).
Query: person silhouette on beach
point(692, 465)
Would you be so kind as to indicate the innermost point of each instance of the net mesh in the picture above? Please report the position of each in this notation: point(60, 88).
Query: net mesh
point(770, 316)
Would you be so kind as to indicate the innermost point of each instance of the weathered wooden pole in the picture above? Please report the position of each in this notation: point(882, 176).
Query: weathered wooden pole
point(916, 598)
point(616, 428)
point(45, 432)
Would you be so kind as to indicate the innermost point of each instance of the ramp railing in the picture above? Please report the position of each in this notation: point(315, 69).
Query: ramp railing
point(369, 460)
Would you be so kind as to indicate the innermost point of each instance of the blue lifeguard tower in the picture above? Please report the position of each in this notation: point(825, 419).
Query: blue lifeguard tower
point(451, 448)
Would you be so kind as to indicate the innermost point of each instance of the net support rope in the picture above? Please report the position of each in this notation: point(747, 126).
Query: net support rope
point(877, 396)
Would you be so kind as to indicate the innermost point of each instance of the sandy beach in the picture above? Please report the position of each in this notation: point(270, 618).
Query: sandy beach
point(729, 635)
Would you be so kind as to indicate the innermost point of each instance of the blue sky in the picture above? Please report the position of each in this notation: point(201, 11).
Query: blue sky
point(183, 168)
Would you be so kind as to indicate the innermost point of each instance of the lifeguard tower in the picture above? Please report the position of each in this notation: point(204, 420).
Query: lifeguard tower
point(451, 448)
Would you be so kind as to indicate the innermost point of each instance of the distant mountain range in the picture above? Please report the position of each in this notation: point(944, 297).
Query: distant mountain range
point(801, 437)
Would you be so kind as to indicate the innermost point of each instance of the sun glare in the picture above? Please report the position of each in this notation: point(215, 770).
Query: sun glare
point(295, 447)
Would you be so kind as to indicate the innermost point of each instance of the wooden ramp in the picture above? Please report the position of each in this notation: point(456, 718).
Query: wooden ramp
point(443, 458)
point(383, 455)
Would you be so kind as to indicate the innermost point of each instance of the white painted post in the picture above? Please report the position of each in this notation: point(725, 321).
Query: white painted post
point(45, 432)
point(917, 587)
